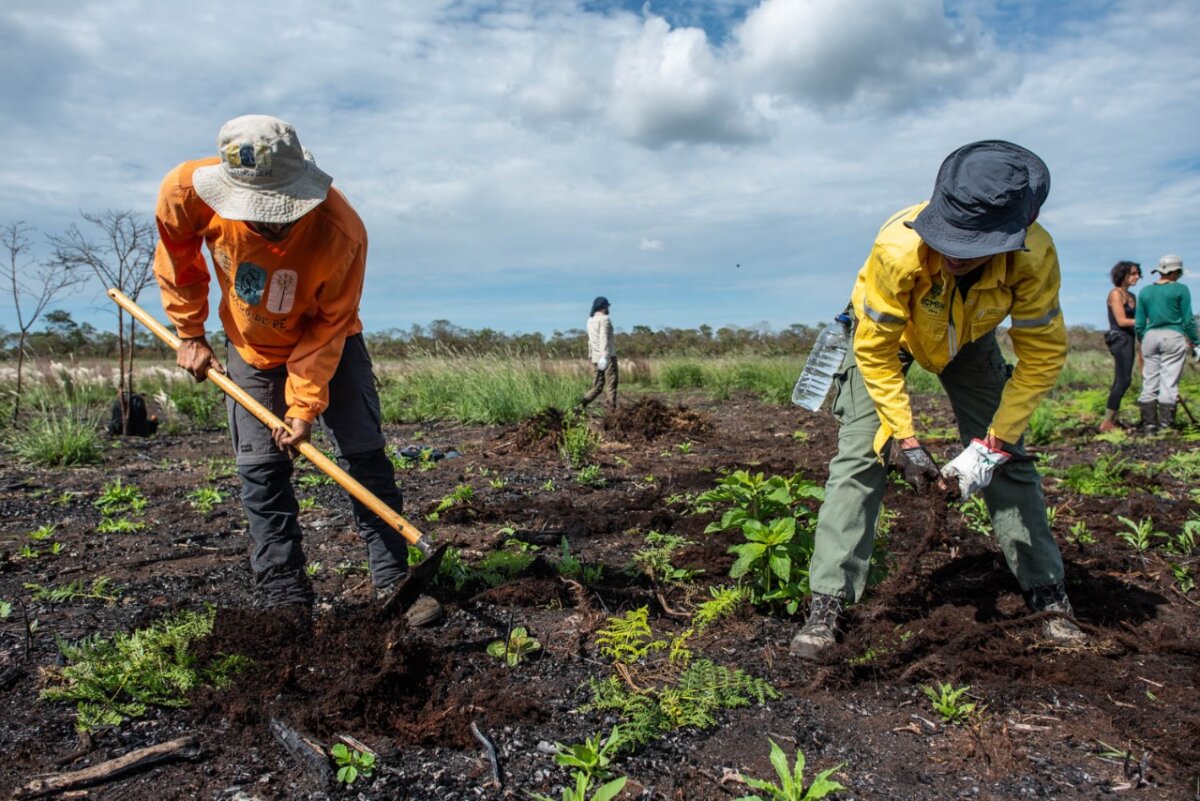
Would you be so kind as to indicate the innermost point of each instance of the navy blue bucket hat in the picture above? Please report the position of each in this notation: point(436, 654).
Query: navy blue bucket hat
point(985, 197)
point(598, 304)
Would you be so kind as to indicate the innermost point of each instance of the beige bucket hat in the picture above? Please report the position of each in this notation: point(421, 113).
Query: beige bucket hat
point(264, 176)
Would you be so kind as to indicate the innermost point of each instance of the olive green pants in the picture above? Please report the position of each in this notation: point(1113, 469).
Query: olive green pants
point(846, 523)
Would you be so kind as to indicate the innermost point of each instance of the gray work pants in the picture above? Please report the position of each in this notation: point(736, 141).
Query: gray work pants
point(845, 532)
point(352, 423)
point(1164, 352)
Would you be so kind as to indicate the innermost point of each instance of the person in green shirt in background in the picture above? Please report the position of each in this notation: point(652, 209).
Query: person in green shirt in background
point(1165, 327)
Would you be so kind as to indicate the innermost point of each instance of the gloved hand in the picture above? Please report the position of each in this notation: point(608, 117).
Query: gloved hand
point(915, 464)
point(973, 468)
point(602, 365)
point(1196, 354)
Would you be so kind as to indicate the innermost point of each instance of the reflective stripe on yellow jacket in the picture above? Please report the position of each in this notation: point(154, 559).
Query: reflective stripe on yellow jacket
point(904, 300)
point(292, 302)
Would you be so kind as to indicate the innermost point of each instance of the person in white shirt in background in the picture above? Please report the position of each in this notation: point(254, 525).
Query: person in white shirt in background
point(603, 354)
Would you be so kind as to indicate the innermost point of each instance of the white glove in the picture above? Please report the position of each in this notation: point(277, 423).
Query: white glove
point(973, 468)
point(1196, 353)
point(602, 365)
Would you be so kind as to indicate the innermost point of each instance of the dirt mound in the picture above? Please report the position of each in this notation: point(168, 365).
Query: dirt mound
point(356, 672)
point(543, 432)
point(650, 419)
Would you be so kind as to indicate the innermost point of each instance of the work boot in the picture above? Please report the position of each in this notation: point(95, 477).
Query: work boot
point(1166, 416)
point(820, 631)
point(425, 611)
point(1060, 631)
point(1149, 423)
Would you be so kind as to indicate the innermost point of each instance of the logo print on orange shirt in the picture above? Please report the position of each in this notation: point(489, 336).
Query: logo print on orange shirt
point(250, 282)
point(282, 294)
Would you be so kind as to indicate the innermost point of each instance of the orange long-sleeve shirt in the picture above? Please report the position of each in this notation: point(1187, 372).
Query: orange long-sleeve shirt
point(292, 302)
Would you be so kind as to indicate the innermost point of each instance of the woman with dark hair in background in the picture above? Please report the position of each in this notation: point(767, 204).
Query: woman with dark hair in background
point(1120, 338)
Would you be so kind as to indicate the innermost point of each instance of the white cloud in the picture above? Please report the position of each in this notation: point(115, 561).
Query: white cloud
point(651, 245)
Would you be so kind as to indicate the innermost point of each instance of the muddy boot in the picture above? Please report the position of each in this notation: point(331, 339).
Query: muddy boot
point(820, 631)
point(1166, 417)
point(1109, 423)
point(1149, 423)
point(1060, 631)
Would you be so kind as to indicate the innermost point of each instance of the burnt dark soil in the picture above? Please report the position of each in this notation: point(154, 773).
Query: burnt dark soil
point(949, 612)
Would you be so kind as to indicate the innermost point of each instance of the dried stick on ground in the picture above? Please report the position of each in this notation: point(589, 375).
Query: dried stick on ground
point(309, 755)
point(134, 761)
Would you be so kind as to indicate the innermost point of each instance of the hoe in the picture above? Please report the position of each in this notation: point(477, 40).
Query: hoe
point(419, 576)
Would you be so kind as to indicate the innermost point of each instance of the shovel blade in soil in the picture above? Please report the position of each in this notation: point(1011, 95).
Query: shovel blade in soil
point(412, 585)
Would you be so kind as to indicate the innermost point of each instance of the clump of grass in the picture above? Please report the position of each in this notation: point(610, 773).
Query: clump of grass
point(59, 437)
point(113, 679)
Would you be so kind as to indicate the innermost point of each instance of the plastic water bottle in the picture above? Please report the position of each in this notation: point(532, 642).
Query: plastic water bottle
point(825, 359)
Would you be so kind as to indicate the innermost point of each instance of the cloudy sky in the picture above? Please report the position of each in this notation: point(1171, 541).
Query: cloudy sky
point(719, 162)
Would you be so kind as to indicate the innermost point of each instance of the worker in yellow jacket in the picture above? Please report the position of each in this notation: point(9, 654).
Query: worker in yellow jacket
point(940, 278)
point(289, 254)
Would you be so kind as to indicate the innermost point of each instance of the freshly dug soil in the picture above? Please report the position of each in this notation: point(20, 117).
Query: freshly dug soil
point(950, 612)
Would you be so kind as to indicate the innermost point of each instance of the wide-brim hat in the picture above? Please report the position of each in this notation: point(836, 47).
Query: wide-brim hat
point(264, 174)
point(984, 199)
point(1169, 264)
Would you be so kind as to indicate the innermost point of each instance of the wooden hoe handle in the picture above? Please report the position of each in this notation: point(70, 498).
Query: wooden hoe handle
point(310, 451)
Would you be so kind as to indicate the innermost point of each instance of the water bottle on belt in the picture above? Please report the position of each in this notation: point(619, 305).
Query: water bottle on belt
point(825, 359)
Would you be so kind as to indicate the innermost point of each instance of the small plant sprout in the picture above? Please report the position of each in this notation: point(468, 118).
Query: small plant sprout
point(949, 702)
point(497, 483)
point(548, 486)
point(593, 756)
point(309, 503)
point(119, 525)
point(515, 649)
point(312, 569)
point(1080, 535)
point(590, 477)
point(352, 763)
point(791, 780)
point(684, 448)
point(205, 499)
point(583, 784)
point(117, 498)
point(1140, 534)
point(5, 610)
point(101, 589)
point(42, 532)
point(976, 516)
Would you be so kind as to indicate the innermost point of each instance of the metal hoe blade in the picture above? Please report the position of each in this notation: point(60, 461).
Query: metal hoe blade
point(412, 585)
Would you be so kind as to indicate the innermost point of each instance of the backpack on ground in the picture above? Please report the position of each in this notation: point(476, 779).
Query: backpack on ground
point(141, 422)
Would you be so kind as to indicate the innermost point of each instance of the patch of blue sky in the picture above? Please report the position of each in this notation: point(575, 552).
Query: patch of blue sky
point(1020, 24)
point(716, 17)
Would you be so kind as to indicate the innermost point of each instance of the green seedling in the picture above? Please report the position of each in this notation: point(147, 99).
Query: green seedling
point(117, 498)
point(515, 649)
point(27, 551)
point(579, 443)
point(55, 548)
point(119, 525)
point(590, 477)
point(948, 702)
point(352, 763)
point(571, 567)
point(593, 756)
point(583, 784)
point(791, 780)
point(684, 448)
point(1140, 535)
point(42, 532)
point(774, 560)
point(5, 610)
point(497, 483)
point(975, 514)
point(101, 589)
point(312, 569)
point(462, 494)
point(724, 604)
point(655, 559)
point(1184, 579)
point(308, 504)
point(313, 480)
point(65, 498)
point(205, 499)
point(548, 486)
point(118, 678)
point(1080, 534)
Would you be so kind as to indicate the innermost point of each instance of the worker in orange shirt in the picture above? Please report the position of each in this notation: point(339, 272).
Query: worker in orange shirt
point(289, 254)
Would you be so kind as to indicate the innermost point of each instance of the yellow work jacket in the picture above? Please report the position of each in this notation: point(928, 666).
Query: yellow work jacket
point(904, 300)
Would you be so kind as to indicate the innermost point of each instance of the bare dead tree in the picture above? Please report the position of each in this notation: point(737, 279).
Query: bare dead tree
point(122, 258)
point(32, 285)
